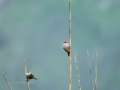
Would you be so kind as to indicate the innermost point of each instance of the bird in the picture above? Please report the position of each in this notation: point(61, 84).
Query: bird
point(29, 76)
point(66, 47)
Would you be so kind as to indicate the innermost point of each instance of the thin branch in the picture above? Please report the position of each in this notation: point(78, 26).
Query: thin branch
point(77, 71)
point(96, 70)
point(25, 72)
point(7, 82)
point(90, 70)
point(70, 42)
point(25, 66)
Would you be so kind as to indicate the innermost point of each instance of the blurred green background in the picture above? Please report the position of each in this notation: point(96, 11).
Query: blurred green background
point(35, 30)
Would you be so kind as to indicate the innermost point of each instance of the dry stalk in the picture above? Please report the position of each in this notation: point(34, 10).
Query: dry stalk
point(70, 42)
point(96, 70)
point(77, 71)
point(90, 70)
point(7, 82)
point(25, 72)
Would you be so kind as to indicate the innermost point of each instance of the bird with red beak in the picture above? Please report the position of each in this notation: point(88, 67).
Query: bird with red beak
point(66, 47)
point(29, 76)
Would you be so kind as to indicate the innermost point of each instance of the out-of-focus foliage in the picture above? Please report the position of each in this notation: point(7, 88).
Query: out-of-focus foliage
point(35, 29)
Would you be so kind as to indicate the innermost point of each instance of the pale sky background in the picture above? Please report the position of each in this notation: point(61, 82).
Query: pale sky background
point(35, 31)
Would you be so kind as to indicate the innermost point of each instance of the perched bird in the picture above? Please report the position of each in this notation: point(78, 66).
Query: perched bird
point(66, 47)
point(29, 76)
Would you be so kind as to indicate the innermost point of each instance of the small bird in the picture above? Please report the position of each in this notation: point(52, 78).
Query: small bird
point(66, 47)
point(29, 76)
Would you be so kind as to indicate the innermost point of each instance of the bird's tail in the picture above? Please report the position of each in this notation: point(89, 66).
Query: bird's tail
point(68, 53)
point(36, 78)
